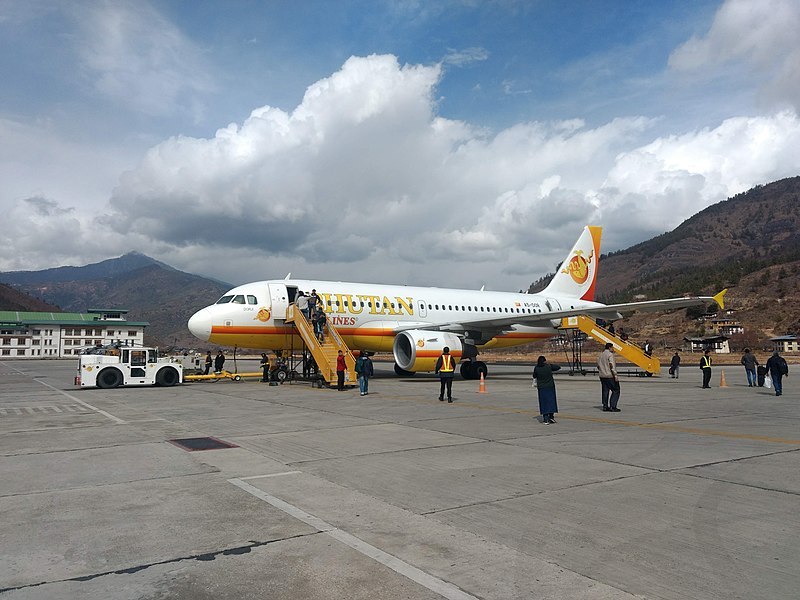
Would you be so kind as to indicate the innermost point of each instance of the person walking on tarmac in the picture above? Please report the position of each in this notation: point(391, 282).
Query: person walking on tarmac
point(777, 369)
point(219, 362)
point(364, 371)
point(341, 368)
point(705, 366)
point(546, 389)
point(675, 365)
point(750, 363)
point(445, 369)
point(609, 379)
point(209, 362)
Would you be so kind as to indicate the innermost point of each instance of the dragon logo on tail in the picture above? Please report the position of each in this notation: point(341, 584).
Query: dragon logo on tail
point(578, 267)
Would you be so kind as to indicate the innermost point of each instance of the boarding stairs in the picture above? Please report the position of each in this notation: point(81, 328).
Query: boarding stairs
point(627, 349)
point(324, 354)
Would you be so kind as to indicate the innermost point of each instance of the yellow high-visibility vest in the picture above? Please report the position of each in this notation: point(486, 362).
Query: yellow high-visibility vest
point(447, 364)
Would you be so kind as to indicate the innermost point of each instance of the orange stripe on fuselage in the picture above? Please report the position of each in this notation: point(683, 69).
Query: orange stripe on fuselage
point(222, 334)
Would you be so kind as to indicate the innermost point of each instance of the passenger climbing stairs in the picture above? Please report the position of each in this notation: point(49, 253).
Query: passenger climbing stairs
point(628, 350)
point(325, 353)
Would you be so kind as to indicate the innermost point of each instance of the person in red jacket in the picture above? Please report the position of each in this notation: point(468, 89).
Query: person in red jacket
point(341, 367)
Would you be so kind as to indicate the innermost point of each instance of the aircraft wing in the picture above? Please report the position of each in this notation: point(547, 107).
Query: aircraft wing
point(609, 312)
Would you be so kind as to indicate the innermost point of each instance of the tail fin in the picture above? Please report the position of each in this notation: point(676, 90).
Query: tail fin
point(577, 275)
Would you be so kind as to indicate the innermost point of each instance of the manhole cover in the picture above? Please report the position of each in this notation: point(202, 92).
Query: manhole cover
point(202, 443)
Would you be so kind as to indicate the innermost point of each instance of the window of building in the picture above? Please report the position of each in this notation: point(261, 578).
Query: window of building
point(20, 351)
point(6, 341)
point(5, 352)
point(131, 334)
point(36, 342)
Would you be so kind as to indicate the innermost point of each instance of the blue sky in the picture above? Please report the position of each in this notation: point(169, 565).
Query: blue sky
point(459, 143)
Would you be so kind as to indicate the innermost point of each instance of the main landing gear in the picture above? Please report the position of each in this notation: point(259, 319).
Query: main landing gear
point(473, 369)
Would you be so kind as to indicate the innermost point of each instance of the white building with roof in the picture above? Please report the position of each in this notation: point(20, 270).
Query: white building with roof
point(63, 335)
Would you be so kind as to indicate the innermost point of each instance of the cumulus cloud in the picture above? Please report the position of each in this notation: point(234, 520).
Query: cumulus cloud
point(363, 180)
point(757, 41)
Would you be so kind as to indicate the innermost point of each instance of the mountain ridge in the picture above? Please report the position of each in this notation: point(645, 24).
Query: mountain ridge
point(749, 243)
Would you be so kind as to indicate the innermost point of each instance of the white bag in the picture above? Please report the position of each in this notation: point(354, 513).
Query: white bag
point(767, 381)
point(347, 375)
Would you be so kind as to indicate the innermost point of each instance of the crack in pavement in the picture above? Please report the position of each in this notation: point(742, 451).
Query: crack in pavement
point(205, 557)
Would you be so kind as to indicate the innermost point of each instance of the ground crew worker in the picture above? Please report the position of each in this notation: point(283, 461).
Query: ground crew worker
point(209, 362)
point(705, 366)
point(264, 368)
point(446, 369)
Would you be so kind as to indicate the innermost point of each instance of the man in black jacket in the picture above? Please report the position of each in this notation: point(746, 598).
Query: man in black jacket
point(777, 368)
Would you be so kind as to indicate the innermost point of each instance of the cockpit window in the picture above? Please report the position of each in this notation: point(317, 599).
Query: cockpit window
point(252, 299)
point(224, 299)
point(239, 299)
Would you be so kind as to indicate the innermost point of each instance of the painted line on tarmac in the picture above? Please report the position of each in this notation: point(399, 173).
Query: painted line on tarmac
point(663, 426)
point(108, 415)
point(434, 584)
point(269, 475)
point(683, 429)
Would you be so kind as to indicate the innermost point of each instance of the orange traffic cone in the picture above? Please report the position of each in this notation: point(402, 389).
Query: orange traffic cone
point(482, 388)
point(722, 379)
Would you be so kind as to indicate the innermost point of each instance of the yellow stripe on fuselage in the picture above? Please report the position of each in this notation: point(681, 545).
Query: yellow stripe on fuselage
point(268, 337)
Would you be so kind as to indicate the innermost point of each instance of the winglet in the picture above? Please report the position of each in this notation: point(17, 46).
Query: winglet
point(720, 298)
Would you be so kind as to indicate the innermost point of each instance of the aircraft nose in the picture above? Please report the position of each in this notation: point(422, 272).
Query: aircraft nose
point(200, 324)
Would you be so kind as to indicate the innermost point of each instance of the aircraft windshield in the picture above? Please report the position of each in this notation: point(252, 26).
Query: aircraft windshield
point(237, 299)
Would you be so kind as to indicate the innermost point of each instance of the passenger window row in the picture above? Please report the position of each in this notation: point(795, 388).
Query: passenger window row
point(495, 309)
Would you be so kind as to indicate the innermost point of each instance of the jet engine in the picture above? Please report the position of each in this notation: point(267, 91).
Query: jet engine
point(418, 349)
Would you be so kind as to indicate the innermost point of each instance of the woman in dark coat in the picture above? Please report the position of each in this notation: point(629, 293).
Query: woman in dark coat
point(546, 387)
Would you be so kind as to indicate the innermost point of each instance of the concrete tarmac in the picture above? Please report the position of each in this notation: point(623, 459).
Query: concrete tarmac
point(686, 493)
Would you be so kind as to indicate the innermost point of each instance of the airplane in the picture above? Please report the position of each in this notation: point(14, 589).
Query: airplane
point(416, 323)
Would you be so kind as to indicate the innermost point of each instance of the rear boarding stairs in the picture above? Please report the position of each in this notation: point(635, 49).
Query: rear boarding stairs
point(628, 350)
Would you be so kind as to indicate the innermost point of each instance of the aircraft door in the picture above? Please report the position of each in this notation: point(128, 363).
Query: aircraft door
point(280, 300)
point(422, 309)
point(552, 304)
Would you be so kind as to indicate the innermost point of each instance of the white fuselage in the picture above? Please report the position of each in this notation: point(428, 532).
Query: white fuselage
point(368, 316)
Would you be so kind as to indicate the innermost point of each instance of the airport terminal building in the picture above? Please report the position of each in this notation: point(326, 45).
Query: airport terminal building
point(63, 335)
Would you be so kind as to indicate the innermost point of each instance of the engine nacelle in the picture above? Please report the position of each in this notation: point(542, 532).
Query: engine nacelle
point(418, 350)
